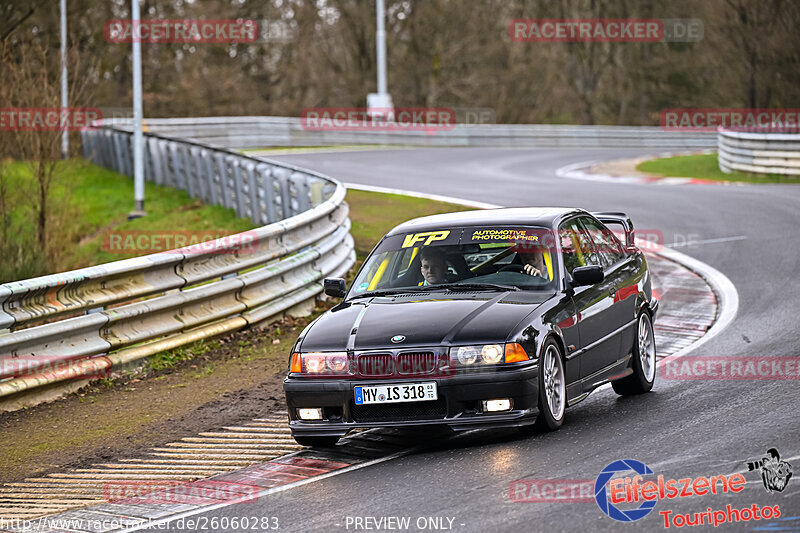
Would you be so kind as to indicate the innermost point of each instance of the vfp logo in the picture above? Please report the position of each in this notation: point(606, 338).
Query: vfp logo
point(601, 491)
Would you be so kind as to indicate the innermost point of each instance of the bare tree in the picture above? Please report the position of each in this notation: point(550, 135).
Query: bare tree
point(31, 81)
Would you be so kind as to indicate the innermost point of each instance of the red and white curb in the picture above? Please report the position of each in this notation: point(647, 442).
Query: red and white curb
point(582, 171)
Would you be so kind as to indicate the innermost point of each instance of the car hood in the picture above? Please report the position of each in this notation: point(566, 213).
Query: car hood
point(424, 320)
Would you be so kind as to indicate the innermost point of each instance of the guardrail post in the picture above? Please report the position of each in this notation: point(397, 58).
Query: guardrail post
point(177, 168)
point(266, 194)
point(106, 148)
point(155, 150)
point(211, 184)
point(147, 160)
point(300, 192)
point(118, 159)
point(224, 184)
point(127, 154)
point(190, 153)
point(200, 172)
point(252, 189)
point(238, 188)
point(280, 187)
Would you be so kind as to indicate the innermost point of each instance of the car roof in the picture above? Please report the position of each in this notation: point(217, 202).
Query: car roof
point(526, 216)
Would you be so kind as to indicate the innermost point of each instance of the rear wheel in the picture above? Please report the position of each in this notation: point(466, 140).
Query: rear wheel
point(552, 388)
point(317, 442)
point(644, 361)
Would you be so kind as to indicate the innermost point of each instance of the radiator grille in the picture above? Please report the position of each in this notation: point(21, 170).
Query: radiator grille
point(376, 364)
point(410, 364)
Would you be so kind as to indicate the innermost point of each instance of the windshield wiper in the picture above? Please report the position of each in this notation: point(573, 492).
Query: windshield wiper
point(386, 292)
point(472, 286)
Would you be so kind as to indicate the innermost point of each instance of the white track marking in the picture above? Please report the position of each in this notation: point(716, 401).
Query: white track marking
point(414, 194)
point(707, 241)
point(187, 462)
point(234, 445)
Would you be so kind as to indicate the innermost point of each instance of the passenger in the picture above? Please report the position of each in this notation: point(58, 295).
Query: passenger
point(433, 266)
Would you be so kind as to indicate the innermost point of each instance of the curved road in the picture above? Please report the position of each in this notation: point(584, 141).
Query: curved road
point(682, 429)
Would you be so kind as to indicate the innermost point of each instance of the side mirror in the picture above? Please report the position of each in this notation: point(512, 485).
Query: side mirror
point(335, 287)
point(587, 275)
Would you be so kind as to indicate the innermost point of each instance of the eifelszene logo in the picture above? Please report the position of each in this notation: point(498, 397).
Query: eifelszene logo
point(605, 503)
point(611, 491)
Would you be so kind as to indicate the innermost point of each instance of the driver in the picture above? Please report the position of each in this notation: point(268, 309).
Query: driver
point(533, 263)
point(433, 266)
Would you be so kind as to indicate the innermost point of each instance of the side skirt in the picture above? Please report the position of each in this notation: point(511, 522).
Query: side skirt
point(581, 389)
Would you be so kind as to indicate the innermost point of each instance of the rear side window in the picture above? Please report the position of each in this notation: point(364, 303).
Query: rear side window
point(604, 242)
point(577, 247)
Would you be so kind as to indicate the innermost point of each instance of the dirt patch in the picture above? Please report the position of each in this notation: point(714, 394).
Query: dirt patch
point(620, 168)
point(233, 379)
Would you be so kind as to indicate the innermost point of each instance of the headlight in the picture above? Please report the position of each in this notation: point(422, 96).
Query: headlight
point(320, 363)
point(492, 353)
point(488, 354)
point(467, 355)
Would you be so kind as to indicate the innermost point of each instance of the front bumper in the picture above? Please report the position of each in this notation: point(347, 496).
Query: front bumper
point(459, 404)
point(654, 307)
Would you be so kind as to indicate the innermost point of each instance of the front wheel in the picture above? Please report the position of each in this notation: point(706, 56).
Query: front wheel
point(644, 361)
point(317, 442)
point(552, 388)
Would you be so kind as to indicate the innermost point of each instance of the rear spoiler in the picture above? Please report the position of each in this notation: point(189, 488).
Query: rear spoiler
point(620, 218)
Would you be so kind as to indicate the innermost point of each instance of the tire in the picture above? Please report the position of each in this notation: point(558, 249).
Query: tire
point(317, 442)
point(644, 360)
point(552, 388)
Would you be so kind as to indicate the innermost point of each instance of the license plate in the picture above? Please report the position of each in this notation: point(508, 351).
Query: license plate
point(396, 393)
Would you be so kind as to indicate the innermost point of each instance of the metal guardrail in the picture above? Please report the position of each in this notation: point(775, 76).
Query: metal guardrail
point(762, 153)
point(85, 322)
point(260, 132)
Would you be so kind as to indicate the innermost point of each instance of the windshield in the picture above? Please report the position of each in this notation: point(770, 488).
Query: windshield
point(493, 258)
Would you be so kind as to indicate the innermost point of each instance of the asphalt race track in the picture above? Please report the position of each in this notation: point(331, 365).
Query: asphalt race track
point(683, 429)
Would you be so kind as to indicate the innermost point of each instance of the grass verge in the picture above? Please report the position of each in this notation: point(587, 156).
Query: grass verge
point(706, 167)
point(94, 203)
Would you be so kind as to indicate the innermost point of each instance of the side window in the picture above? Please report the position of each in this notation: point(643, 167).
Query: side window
point(577, 248)
point(606, 244)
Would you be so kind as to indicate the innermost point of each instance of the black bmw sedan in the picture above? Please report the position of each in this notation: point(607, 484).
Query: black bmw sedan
point(479, 319)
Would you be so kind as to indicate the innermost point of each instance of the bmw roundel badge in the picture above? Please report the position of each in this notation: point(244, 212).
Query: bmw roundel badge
point(398, 338)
